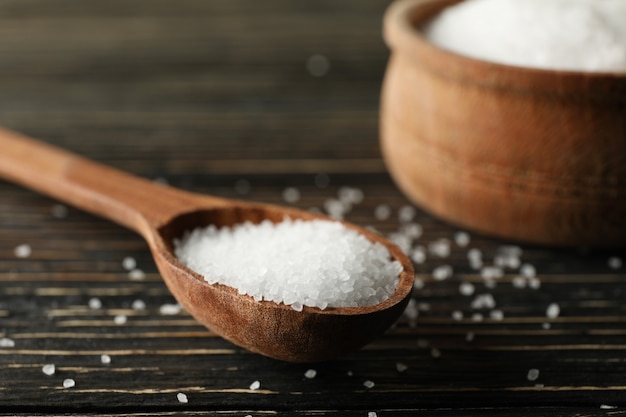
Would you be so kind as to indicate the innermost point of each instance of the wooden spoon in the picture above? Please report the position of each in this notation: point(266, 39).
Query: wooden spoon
point(161, 213)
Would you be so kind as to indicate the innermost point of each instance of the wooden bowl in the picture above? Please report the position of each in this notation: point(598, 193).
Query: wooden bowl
point(524, 154)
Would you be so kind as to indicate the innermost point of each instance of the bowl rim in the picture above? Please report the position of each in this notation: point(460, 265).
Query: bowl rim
point(401, 34)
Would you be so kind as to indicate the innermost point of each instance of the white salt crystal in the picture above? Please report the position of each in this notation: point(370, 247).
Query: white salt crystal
point(491, 272)
point(607, 407)
point(615, 262)
point(170, 309)
point(435, 353)
point(138, 305)
point(402, 241)
point(313, 263)
point(120, 319)
point(182, 398)
point(497, 315)
point(442, 272)
point(291, 195)
point(105, 359)
point(439, 247)
point(95, 303)
point(255, 385)
point(22, 251)
point(519, 282)
point(401, 367)
point(350, 195)
point(136, 274)
point(553, 311)
point(483, 301)
point(533, 374)
point(477, 317)
point(129, 263)
point(490, 284)
point(382, 212)
point(418, 283)
point(462, 239)
point(59, 211)
point(418, 255)
point(412, 230)
point(411, 311)
point(546, 326)
point(335, 208)
point(466, 288)
point(469, 337)
point(317, 65)
point(406, 214)
point(528, 270)
point(372, 414)
point(310, 374)
point(368, 384)
point(534, 283)
point(583, 35)
point(68, 383)
point(6, 342)
point(457, 315)
point(48, 369)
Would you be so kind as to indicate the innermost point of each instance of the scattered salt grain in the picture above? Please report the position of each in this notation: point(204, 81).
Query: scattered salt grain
point(182, 398)
point(136, 274)
point(401, 367)
point(138, 305)
point(532, 374)
point(519, 282)
point(6, 342)
point(553, 311)
point(528, 270)
point(418, 254)
point(615, 262)
point(497, 315)
point(607, 407)
point(475, 258)
point(590, 35)
point(317, 65)
point(435, 353)
point(490, 284)
point(350, 195)
point(412, 230)
point(335, 208)
point(418, 283)
point(310, 374)
point(95, 303)
point(457, 315)
point(411, 311)
point(105, 359)
point(483, 301)
point(462, 239)
point(48, 369)
point(440, 247)
point(382, 212)
point(129, 263)
point(22, 251)
point(59, 211)
point(68, 383)
point(491, 272)
point(255, 385)
point(291, 195)
point(466, 288)
point(546, 326)
point(406, 214)
point(372, 414)
point(469, 337)
point(402, 241)
point(534, 283)
point(316, 263)
point(442, 272)
point(477, 317)
point(170, 309)
point(120, 319)
point(368, 384)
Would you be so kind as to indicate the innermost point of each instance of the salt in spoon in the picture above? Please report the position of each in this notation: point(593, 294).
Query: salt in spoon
point(160, 214)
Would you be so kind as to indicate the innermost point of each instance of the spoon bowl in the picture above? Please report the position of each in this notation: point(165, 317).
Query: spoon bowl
point(161, 214)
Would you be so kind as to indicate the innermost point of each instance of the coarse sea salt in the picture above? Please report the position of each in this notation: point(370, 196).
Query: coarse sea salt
point(315, 263)
point(580, 35)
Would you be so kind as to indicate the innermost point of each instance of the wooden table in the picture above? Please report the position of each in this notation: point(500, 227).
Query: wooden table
point(245, 99)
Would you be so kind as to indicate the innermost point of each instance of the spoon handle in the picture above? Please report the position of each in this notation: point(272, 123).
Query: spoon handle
point(134, 202)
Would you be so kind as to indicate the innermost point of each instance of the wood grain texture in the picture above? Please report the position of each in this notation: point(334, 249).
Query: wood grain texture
point(181, 91)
